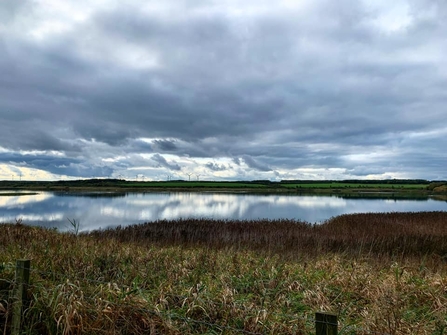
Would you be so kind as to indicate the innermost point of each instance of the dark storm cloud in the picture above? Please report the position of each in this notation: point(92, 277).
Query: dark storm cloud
point(55, 165)
point(164, 163)
point(251, 162)
point(165, 145)
point(43, 162)
point(316, 85)
point(107, 132)
point(37, 140)
point(139, 146)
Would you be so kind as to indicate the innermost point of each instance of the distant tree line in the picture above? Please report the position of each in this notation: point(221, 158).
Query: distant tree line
point(358, 181)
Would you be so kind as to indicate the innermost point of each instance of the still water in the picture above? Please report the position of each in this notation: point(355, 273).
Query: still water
point(102, 210)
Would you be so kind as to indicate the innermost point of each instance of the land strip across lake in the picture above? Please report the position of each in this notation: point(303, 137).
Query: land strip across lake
point(362, 187)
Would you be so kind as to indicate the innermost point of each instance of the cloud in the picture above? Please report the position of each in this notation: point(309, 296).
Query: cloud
point(165, 145)
point(236, 160)
point(55, 164)
point(251, 162)
point(216, 167)
point(164, 163)
point(278, 86)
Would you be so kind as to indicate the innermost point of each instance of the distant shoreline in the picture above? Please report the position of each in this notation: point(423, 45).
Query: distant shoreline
point(17, 194)
point(415, 187)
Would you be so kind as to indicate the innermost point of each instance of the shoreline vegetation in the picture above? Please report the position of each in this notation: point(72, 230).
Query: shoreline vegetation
point(353, 187)
point(381, 273)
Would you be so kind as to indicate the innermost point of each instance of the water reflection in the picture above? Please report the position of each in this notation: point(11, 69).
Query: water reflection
point(21, 200)
point(100, 210)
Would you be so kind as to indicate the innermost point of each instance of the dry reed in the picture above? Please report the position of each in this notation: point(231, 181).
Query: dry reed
point(382, 273)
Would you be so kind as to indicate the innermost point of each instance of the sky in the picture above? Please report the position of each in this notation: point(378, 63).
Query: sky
point(223, 89)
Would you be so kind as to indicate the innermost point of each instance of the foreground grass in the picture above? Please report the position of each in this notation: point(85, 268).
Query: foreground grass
point(383, 273)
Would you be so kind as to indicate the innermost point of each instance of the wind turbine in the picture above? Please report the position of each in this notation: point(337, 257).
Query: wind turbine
point(198, 175)
point(189, 176)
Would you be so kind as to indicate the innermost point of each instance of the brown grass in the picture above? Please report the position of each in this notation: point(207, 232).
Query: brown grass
point(398, 234)
point(381, 273)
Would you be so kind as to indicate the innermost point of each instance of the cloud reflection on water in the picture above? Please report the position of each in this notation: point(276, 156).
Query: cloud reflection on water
point(54, 210)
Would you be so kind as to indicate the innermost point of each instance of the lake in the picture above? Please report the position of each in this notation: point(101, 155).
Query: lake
point(101, 210)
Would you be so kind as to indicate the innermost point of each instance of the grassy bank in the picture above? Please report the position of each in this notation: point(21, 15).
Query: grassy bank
point(383, 273)
point(351, 187)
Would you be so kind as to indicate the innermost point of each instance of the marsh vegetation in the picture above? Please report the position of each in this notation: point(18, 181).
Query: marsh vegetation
point(383, 273)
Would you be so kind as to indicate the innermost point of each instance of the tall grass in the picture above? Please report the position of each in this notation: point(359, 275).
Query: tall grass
point(382, 273)
point(403, 234)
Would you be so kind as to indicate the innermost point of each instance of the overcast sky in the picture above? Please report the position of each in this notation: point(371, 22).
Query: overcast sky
point(223, 90)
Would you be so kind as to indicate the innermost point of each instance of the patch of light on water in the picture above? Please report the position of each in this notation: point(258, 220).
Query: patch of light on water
point(113, 211)
point(54, 217)
point(15, 201)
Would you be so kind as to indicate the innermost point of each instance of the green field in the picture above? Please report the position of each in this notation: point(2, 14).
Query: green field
point(263, 186)
point(356, 185)
point(194, 184)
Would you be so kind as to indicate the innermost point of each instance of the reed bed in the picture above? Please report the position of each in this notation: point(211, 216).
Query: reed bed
point(398, 234)
point(382, 273)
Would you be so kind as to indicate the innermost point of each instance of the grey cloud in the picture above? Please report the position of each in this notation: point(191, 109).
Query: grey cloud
point(165, 145)
point(236, 160)
point(89, 171)
point(251, 162)
point(282, 88)
point(36, 160)
point(164, 163)
point(9, 10)
point(216, 167)
point(56, 165)
point(39, 140)
point(138, 146)
point(111, 133)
